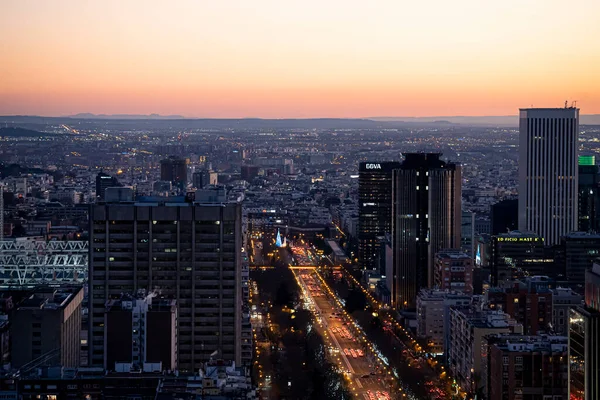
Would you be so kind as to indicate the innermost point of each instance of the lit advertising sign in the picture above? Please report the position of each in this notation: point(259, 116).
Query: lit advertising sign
point(378, 166)
point(519, 239)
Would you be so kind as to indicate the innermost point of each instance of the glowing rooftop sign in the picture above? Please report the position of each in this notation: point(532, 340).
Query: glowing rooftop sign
point(587, 160)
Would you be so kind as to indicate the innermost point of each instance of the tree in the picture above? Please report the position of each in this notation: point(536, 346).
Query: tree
point(355, 300)
point(283, 297)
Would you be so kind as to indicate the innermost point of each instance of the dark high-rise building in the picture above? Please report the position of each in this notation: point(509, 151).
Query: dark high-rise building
point(48, 323)
point(505, 216)
point(426, 219)
point(174, 170)
point(374, 210)
point(517, 254)
point(584, 345)
point(548, 189)
point(103, 182)
point(578, 251)
point(183, 251)
point(589, 194)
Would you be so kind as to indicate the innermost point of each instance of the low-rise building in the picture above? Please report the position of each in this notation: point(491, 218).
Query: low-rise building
point(526, 367)
point(47, 324)
point(563, 299)
point(530, 306)
point(468, 328)
point(432, 309)
point(453, 270)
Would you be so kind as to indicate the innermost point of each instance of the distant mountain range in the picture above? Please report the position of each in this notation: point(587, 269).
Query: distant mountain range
point(502, 120)
point(178, 121)
point(124, 116)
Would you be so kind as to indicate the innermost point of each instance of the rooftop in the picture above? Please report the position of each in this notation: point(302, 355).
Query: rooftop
point(523, 344)
point(49, 298)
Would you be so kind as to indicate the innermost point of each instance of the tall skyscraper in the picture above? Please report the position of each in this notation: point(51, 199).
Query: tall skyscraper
point(589, 194)
point(177, 250)
point(584, 346)
point(374, 210)
point(426, 218)
point(174, 170)
point(548, 181)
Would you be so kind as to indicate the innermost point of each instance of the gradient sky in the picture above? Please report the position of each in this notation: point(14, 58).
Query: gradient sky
point(309, 58)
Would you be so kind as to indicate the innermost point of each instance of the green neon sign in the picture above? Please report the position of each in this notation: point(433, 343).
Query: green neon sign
point(587, 160)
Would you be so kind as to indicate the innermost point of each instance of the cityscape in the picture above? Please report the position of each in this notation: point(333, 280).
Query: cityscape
point(333, 200)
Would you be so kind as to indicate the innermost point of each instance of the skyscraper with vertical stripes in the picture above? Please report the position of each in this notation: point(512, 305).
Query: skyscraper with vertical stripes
point(426, 218)
point(548, 181)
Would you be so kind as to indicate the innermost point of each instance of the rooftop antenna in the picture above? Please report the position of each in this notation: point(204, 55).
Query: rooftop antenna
point(566, 103)
point(574, 104)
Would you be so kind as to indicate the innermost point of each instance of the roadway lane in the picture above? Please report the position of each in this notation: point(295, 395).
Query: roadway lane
point(365, 374)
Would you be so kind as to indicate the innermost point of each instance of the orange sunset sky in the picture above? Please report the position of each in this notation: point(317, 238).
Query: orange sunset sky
point(310, 58)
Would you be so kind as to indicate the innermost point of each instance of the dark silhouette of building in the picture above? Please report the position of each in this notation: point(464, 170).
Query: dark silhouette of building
point(184, 251)
point(103, 182)
point(426, 218)
point(584, 343)
point(589, 194)
point(203, 178)
point(47, 324)
point(374, 210)
point(517, 254)
point(249, 172)
point(578, 251)
point(141, 330)
point(174, 170)
point(505, 216)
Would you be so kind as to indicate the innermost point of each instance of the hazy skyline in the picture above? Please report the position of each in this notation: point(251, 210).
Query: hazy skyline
point(275, 59)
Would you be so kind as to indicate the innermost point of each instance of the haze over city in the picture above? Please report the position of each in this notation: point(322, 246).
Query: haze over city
point(273, 59)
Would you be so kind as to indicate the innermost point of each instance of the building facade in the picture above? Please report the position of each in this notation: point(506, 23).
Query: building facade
point(374, 209)
point(468, 328)
point(584, 346)
point(548, 178)
point(432, 310)
point(580, 249)
point(103, 182)
point(141, 330)
point(174, 170)
point(589, 194)
point(47, 325)
point(454, 271)
point(563, 299)
point(531, 307)
point(426, 218)
point(526, 367)
point(516, 254)
point(180, 250)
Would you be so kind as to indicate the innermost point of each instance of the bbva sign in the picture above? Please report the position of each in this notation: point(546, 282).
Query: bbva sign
point(373, 166)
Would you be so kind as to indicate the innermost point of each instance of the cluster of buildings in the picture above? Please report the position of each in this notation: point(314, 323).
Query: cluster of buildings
point(500, 299)
point(492, 281)
point(159, 289)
